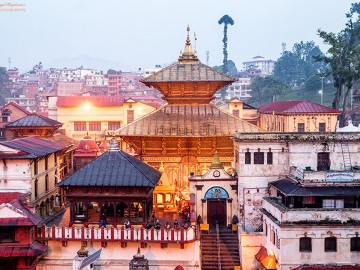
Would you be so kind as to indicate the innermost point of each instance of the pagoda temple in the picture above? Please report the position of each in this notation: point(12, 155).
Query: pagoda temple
point(184, 134)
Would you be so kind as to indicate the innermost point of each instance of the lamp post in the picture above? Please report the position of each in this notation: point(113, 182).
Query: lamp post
point(321, 92)
point(321, 96)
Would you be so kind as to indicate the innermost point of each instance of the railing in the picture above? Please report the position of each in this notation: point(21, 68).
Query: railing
point(116, 234)
point(285, 214)
point(218, 245)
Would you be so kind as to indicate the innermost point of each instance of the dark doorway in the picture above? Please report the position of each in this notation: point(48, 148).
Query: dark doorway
point(216, 212)
point(323, 163)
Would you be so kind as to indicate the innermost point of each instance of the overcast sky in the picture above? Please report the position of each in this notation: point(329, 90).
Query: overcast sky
point(143, 33)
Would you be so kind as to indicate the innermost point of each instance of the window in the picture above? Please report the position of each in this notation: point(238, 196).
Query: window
point(79, 126)
point(355, 244)
point(259, 158)
point(330, 244)
point(36, 188)
point(113, 125)
point(301, 127)
point(269, 157)
point(333, 203)
point(305, 244)
point(322, 127)
point(247, 158)
point(94, 126)
point(7, 234)
point(46, 162)
point(323, 161)
point(46, 182)
point(236, 113)
point(130, 116)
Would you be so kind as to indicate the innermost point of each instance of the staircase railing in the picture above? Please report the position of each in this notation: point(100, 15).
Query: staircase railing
point(218, 245)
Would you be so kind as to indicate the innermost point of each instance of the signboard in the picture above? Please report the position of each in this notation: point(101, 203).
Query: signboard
point(204, 227)
point(339, 176)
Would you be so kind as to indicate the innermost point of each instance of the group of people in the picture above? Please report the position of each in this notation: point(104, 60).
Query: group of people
point(157, 225)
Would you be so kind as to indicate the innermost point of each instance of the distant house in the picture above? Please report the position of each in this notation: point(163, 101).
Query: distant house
point(297, 116)
point(10, 113)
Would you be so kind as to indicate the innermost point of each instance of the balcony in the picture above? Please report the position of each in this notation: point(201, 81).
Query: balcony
point(283, 214)
point(110, 233)
point(309, 176)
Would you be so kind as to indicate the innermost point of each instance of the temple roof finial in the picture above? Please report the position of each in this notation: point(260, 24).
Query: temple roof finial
point(188, 56)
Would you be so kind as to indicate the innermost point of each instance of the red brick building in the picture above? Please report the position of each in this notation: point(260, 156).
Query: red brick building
point(18, 248)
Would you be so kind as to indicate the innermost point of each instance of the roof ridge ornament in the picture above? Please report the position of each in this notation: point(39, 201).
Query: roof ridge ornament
point(188, 56)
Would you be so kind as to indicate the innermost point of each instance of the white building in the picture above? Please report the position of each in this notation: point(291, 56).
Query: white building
point(261, 63)
point(311, 187)
point(239, 89)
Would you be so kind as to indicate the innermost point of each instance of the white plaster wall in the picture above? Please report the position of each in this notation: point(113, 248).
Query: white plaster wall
point(115, 257)
point(15, 175)
point(289, 256)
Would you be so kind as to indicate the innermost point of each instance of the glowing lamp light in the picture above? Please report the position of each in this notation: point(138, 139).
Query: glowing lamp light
point(87, 106)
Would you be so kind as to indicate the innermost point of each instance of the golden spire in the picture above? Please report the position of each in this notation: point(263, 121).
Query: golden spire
point(188, 56)
point(216, 163)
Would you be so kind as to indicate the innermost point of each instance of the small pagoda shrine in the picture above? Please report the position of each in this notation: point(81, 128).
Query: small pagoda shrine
point(115, 186)
point(185, 133)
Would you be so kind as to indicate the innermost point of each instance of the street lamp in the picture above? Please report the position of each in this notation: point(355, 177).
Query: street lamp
point(321, 96)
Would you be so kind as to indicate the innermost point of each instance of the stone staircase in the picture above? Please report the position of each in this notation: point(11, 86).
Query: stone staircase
point(229, 250)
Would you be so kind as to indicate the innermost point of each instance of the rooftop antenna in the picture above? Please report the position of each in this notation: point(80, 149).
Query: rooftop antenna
point(195, 40)
point(207, 58)
point(9, 60)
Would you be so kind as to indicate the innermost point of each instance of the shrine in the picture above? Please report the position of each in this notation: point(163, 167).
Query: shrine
point(113, 188)
point(184, 134)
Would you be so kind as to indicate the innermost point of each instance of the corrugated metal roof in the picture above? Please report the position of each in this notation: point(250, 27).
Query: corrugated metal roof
point(187, 120)
point(292, 188)
point(296, 106)
point(34, 120)
point(34, 146)
point(180, 72)
point(73, 101)
point(114, 168)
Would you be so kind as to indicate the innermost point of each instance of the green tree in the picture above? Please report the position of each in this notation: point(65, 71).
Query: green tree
point(299, 65)
point(226, 20)
point(313, 83)
point(231, 67)
point(343, 57)
point(265, 90)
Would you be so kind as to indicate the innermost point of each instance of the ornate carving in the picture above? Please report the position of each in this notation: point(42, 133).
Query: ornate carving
point(143, 146)
point(179, 146)
point(182, 89)
point(198, 142)
point(213, 149)
point(163, 146)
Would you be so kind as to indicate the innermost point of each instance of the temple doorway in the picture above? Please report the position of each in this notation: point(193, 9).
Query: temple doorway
point(216, 212)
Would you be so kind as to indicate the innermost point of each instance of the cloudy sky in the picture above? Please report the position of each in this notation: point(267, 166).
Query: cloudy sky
point(144, 33)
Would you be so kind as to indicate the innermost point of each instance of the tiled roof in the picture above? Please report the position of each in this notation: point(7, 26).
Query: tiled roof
point(114, 169)
point(32, 146)
point(187, 120)
point(291, 188)
point(179, 72)
point(296, 106)
point(34, 120)
point(73, 101)
point(33, 250)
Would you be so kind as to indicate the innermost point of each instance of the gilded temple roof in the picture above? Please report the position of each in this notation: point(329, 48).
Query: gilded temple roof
point(188, 121)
